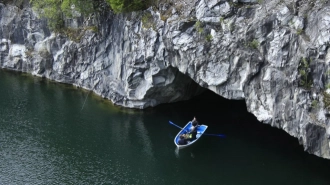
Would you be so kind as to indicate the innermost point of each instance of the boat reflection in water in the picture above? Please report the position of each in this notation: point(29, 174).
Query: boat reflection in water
point(183, 153)
point(176, 151)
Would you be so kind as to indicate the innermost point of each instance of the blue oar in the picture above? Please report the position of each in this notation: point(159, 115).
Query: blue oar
point(219, 135)
point(175, 124)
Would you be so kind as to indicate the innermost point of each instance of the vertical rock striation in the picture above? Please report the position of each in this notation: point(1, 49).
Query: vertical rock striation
point(272, 53)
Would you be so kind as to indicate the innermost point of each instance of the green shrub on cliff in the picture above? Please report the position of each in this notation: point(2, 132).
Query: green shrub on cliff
point(326, 100)
point(49, 9)
point(254, 44)
point(198, 27)
point(148, 21)
point(55, 11)
point(116, 5)
point(84, 7)
point(305, 79)
point(209, 38)
point(119, 6)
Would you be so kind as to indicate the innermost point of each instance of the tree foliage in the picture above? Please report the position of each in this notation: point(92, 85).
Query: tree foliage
point(56, 10)
point(119, 6)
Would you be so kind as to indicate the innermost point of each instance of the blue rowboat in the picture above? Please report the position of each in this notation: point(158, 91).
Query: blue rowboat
point(200, 131)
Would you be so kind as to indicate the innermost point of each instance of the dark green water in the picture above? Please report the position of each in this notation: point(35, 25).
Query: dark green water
point(47, 137)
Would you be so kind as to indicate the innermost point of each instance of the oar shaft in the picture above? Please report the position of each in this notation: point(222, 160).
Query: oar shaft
point(175, 124)
point(219, 135)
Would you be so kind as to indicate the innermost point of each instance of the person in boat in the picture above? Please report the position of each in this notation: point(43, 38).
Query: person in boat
point(182, 140)
point(194, 121)
point(193, 129)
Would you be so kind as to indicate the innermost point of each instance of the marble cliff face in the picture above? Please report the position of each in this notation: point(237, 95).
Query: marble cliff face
point(274, 54)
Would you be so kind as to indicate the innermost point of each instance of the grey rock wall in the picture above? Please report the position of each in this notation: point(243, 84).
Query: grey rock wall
point(274, 54)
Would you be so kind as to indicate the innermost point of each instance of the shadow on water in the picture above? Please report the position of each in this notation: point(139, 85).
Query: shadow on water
point(249, 147)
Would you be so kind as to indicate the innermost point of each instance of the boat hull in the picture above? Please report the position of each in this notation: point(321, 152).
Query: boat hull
point(200, 131)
